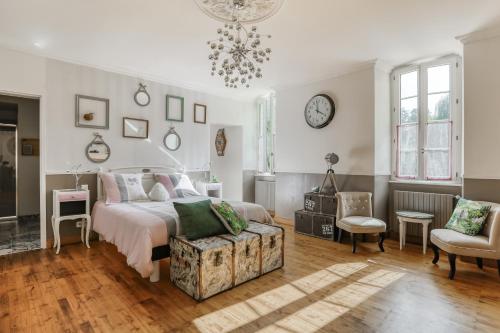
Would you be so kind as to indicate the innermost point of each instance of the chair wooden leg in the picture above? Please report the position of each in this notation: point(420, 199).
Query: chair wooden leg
point(381, 241)
point(498, 265)
point(340, 236)
point(479, 262)
point(436, 253)
point(452, 258)
point(353, 240)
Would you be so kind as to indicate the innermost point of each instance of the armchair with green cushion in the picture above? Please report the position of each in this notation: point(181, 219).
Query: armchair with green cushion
point(486, 244)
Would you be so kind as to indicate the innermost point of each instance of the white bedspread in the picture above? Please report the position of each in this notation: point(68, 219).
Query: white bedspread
point(137, 227)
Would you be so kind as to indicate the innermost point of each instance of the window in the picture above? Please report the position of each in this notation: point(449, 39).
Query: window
point(427, 121)
point(267, 132)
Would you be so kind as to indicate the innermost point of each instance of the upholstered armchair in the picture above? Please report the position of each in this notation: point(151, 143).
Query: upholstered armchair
point(484, 245)
point(355, 215)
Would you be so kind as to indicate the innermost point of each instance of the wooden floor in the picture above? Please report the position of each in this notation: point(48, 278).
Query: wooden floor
point(323, 287)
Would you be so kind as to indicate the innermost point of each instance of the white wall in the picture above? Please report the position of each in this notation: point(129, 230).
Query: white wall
point(228, 168)
point(21, 73)
point(382, 121)
point(300, 148)
point(66, 143)
point(482, 106)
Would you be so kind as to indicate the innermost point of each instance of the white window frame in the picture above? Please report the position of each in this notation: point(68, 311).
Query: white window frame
point(266, 108)
point(455, 63)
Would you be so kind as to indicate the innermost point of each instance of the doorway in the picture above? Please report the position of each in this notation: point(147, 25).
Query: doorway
point(19, 174)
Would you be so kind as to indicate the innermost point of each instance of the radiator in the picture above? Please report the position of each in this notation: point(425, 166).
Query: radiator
point(441, 205)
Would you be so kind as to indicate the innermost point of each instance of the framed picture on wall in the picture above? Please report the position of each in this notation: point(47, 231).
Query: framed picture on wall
point(30, 147)
point(135, 128)
point(200, 113)
point(91, 112)
point(175, 108)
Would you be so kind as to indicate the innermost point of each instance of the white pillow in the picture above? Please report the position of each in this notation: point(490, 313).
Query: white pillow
point(158, 193)
point(186, 185)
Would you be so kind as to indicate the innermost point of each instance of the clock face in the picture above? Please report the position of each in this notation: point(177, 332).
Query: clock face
point(319, 111)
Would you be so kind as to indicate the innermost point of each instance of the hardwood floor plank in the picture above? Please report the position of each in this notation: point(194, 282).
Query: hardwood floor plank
point(323, 287)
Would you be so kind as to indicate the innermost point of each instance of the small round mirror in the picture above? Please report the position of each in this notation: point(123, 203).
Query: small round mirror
point(172, 140)
point(98, 151)
point(141, 96)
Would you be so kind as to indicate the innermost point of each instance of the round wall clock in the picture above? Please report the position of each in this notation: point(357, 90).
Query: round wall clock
point(319, 111)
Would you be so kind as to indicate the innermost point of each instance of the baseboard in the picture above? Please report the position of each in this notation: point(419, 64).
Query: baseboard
point(283, 220)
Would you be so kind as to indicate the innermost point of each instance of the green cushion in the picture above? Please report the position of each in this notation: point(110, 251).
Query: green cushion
point(231, 219)
point(468, 217)
point(197, 220)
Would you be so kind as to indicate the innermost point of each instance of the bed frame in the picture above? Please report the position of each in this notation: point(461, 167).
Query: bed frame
point(159, 252)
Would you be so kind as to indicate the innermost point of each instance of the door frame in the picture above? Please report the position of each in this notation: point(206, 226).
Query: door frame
point(42, 158)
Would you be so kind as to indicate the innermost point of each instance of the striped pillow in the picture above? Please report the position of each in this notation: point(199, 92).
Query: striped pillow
point(121, 187)
point(177, 185)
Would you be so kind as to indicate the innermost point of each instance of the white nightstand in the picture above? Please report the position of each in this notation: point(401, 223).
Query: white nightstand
point(213, 190)
point(71, 205)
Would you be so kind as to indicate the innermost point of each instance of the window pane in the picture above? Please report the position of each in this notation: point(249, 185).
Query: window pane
point(438, 79)
point(438, 165)
point(438, 106)
point(438, 135)
point(409, 84)
point(409, 113)
point(408, 151)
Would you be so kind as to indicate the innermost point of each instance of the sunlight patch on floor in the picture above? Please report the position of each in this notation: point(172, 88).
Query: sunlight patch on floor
point(242, 313)
point(321, 313)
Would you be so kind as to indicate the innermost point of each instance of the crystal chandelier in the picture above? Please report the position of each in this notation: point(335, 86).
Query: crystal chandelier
point(237, 52)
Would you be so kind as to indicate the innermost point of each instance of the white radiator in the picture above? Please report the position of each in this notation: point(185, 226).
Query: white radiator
point(441, 205)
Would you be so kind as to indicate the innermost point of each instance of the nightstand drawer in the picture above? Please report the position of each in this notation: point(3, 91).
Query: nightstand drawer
point(72, 196)
point(72, 208)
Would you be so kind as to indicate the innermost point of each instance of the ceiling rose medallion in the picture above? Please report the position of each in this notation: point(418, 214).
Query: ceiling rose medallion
point(237, 52)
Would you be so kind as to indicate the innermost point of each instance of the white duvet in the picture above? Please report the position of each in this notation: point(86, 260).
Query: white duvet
point(137, 227)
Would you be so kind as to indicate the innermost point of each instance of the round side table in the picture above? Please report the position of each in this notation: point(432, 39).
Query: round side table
point(413, 217)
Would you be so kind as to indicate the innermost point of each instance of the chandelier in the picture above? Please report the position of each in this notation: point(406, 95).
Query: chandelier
point(237, 52)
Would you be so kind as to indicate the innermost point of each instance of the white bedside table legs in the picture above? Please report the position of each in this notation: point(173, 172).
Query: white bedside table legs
point(88, 225)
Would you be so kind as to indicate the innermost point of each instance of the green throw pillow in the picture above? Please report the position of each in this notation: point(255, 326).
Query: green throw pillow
point(231, 219)
point(197, 220)
point(468, 217)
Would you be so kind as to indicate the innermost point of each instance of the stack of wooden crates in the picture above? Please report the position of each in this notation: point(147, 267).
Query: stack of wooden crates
point(318, 216)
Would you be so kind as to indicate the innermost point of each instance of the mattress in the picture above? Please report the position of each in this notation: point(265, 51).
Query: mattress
point(137, 227)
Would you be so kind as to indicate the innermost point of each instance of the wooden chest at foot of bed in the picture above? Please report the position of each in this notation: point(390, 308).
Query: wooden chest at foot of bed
point(246, 256)
point(203, 267)
point(272, 242)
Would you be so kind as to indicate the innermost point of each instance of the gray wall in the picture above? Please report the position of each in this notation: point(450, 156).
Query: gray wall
point(249, 185)
point(482, 189)
point(290, 189)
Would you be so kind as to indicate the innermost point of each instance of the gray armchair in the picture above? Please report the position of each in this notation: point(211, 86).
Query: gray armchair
point(355, 215)
point(484, 245)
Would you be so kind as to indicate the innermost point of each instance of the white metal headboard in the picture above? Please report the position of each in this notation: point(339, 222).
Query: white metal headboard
point(147, 180)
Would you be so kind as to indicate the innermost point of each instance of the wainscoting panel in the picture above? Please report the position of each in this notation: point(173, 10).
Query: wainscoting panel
point(441, 205)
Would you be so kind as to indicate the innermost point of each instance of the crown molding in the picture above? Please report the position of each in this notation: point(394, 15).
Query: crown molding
point(479, 35)
point(199, 88)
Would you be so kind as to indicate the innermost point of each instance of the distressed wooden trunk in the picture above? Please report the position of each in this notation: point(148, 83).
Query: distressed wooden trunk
point(313, 224)
point(203, 267)
point(246, 256)
point(321, 203)
point(272, 242)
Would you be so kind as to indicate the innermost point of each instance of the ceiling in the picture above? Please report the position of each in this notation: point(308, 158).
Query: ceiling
point(165, 40)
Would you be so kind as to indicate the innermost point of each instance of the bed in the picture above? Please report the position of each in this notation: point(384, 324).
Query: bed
point(141, 230)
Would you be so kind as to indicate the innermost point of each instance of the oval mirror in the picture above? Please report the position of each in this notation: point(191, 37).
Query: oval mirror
point(172, 140)
point(98, 151)
point(141, 96)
